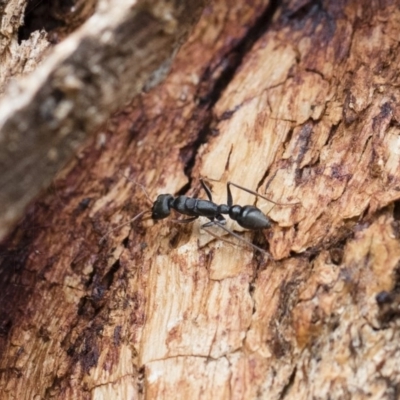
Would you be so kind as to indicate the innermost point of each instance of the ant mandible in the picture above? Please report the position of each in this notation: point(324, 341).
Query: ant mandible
point(249, 217)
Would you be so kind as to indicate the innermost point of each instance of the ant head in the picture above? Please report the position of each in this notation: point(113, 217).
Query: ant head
point(162, 206)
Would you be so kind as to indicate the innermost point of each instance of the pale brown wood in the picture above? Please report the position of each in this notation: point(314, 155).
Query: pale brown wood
point(306, 111)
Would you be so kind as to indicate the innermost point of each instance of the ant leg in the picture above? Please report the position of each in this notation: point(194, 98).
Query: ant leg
point(255, 194)
point(206, 189)
point(185, 220)
point(220, 218)
point(217, 237)
point(240, 238)
point(121, 225)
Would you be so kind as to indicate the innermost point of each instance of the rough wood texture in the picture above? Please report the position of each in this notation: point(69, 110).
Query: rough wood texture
point(307, 113)
point(124, 48)
point(15, 59)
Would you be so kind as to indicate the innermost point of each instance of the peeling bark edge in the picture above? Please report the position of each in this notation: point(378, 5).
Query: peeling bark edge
point(121, 50)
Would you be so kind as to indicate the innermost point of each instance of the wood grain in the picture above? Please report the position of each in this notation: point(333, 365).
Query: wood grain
point(298, 101)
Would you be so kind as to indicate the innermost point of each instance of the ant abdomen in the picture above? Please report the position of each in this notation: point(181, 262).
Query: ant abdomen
point(249, 217)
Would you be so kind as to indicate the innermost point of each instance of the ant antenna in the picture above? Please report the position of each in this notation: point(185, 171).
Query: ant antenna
point(254, 193)
point(123, 224)
point(141, 187)
point(260, 195)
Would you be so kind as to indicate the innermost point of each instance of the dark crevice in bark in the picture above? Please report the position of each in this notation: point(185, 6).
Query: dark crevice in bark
point(289, 384)
point(332, 133)
point(336, 255)
point(53, 387)
point(263, 180)
point(396, 211)
point(208, 96)
point(141, 380)
point(90, 306)
point(53, 16)
point(238, 53)
point(192, 149)
point(85, 349)
point(125, 242)
point(37, 17)
point(389, 302)
point(108, 278)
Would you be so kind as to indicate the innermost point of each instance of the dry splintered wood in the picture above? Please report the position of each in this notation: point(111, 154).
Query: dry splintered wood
point(124, 48)
point(299, 102)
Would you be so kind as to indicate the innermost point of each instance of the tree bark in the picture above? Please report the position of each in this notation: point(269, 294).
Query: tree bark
point(298, 101)
point(126, 47)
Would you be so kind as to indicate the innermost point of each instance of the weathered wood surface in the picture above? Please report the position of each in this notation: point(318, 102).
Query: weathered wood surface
point(124, 48)
point(309, 113)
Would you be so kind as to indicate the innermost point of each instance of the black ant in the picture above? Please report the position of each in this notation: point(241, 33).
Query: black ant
point(249, 217)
